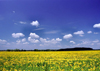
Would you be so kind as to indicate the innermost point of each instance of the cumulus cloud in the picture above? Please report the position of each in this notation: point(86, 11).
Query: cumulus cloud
point(21, 22)
point(52, 41)
point(35, 23)
point(72, 42)
point(17, 35)
point(33, 35)
point(33, 40)
point(89, 32)
point(58, 39)
point(80, 33)
point(2, 41)
point(24, 39)
point(67, 36)
point(96, 25)
point(43, 40)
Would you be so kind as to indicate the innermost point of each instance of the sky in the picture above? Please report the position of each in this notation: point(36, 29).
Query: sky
point(49, 24)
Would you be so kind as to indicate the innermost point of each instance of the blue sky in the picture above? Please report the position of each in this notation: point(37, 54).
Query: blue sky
point(49, 24)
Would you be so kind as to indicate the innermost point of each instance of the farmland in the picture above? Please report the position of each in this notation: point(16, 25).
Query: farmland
point(50, 61)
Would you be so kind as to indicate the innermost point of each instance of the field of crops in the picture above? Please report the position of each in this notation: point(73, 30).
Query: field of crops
point(50, 61)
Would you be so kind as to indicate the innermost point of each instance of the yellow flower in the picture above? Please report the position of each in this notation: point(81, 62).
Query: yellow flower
point(53, 58)
point(4, 69)
point(15, 69)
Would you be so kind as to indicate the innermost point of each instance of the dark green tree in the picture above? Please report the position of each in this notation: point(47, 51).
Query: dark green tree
point(36, 50)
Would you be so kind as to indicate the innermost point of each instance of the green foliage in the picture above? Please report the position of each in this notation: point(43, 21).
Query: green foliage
point(36, 50)
point(16, 49)
point(8, 49)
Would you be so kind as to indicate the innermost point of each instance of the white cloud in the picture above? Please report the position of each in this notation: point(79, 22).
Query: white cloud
point(88, 42)
point(67, 36)
point(96, 41)
point(72, 42)
point(96, 33)
point(52, 41)
point(85, 42)
point(51, 32)
point(24, 39)
point(58, 39)
point(17, 35)
point(33, 40)
point(96, 25)
point(18, 41)
point(33, 35)
point(81, 35)
point(21, 22)
point(89, 32)
point(43, 40)
point(25, 43)
point(29, 38)
point(79, 32)
point(35, 23)
point(2, 41)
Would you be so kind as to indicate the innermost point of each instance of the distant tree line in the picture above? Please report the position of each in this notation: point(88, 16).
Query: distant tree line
point(28, 50)
point(65, 49)
point(15, 50)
